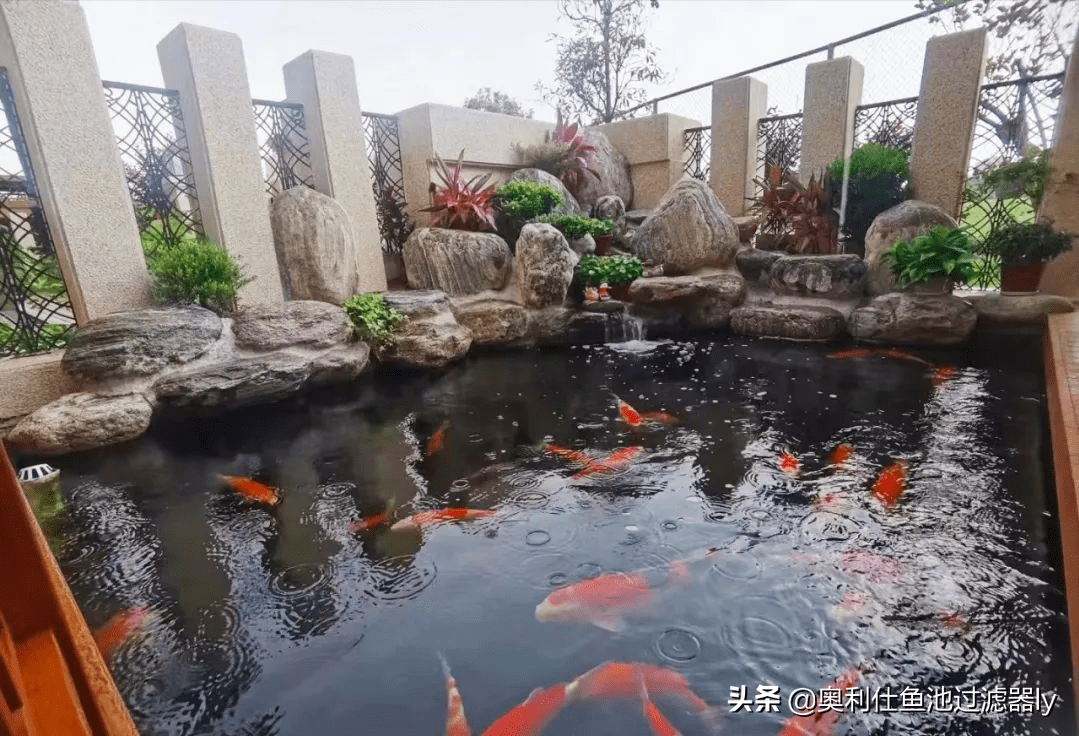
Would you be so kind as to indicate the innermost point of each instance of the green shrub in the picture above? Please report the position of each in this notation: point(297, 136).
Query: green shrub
point(527, 199)
point(610, 269)
point(1025, 177)
point(197, 272)
point(942, 252)
point(879, 180)
point(372, 319)
point(1027, 243)
point(577, 226)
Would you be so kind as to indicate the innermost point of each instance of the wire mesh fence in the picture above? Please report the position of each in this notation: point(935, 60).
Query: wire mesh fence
point(387, 179)
point(150, 134)
point(35, 311)
point(283, 146)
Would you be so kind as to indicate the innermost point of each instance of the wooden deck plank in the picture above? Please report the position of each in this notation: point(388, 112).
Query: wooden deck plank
point(51, 697)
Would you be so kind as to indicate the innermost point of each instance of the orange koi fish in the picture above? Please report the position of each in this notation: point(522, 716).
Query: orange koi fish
point(847, 354)
point(616, 462)
point(954, 620)
point(573, 456)
point(942, 374)
point(456, 723)
point(876, 568)
point(821, 724)
point(532, 716)
point(437, 439)
point(891, 483)
point(252, 489)
point(118, 628)
point(891, 353)
point(788, 463)
point(660, 417)
point(659, 723)
point(427, 518)
point(630, 415)
point(363, 525)
point(621, 681)
point(841, 454)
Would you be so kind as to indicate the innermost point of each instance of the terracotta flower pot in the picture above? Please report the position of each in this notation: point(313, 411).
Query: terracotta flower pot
point(1020, 278)
point(604, 243)
point(620, 291)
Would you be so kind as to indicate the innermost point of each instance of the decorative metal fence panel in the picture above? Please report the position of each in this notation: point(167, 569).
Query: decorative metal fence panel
point(149, 127)
point(1015, 118)
point(35, 311)
point(779, 143)
point(887, 123)
point(387, 179)
point(697, 150)
point(283, 145)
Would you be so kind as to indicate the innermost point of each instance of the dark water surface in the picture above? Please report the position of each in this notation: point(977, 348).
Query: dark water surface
point(284, 622)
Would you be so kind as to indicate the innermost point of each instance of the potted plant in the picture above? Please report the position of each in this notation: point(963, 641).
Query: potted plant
point(1024, 249)
point(575, 227)
point(616, 272)
point(603, 234)
point(934, 261)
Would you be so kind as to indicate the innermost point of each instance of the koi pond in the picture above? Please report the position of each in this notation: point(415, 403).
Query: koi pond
point(872, 529)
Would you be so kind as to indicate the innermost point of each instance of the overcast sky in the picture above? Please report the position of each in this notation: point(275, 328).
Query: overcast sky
point(443, 51)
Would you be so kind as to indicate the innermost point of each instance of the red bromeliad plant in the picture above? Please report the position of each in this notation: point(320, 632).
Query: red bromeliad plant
point(814, 223)
point(462, 205)
point(577, 157)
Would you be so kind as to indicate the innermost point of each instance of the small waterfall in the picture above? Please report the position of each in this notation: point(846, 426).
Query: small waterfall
point(621, 326)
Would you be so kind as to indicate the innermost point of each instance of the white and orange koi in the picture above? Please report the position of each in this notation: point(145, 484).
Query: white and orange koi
point(456, 723)
point(428, 518)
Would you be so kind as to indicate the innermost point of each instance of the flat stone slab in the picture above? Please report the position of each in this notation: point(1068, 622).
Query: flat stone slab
point(703, 299)
point(339, 365)
point(793, 322)
point(914, 319)
point(1016, 309)
point(831, 277)
point(419, 302)
point(610, 305)
point(233, 384)
point(755, 263)
point(457, 262)
point(82, 421)
point(492, 321)
point(307, 324)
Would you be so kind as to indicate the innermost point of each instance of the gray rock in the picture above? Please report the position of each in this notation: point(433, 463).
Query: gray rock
point(608, 306)
point(569, 206)
point(140, 343)
point(755, 263)
point(81, 421)
point(232, 384)
point(704, 299)
point(613, 170)
point(914, 319)
point(689, 230)
point(544, 266)
point(431, 338)
point(456, 261)
point(307, 324)
point(832, 277)
point(341, 364)
point(315, 247)
point(792, 322)
point(609, 207)
point(747, 227)
point(562, 326)
point(492, 321)
point(904, 221)
point(1027, 309)
point(583, 246)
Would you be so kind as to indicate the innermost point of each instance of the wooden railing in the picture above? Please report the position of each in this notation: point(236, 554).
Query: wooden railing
point(53, 679)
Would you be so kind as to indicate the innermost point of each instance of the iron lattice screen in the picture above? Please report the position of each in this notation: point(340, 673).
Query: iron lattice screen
point(283, 146)
point(697, 152)
point(779, 143)
point(387, 179)
point(887, 123)
point(1015, 118)
point(35, 311)
point(149, 128)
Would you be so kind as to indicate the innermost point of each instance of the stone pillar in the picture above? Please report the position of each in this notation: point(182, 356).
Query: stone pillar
point(947, 110)
point(45, 47)
point(325, 84)
point(832, 93)
point(654, 147)
point(737, 107)
point(207, 67)
point(1061, 200)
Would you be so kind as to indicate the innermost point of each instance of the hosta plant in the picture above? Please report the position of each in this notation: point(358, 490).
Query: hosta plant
point(943, 252)
point(372, 319)
point(611, 270)
point(460, 204)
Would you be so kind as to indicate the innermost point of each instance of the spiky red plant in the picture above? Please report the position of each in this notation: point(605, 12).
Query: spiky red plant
point(579, 154)
point(459, 204)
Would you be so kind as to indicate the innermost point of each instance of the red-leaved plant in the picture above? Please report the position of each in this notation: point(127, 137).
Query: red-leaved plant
point(577, 157)
point(462, 205)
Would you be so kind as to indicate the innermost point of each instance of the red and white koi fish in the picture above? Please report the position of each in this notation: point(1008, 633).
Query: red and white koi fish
point(629, 415)
point(532, 716)
point(789, 464)
point(659, 723)
point(821, 724)
point(363, 525)
point(876, 568)
point(434, 444)
point(428, 518)
point(575, 457)
point(943, 374)
point(456, 723)
point(119, 628)
point(891, 483)
point(252, 489)
point(616, 462)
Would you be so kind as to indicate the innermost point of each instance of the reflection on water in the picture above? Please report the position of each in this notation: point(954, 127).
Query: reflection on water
point(285, 622)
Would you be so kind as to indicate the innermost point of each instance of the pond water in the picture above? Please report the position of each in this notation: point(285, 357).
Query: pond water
point(283, 621)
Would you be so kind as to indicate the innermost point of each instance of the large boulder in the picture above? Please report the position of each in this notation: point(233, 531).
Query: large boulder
point(307, 324)
point(431, 337)
point(613, 170)
point(315, 247)
point(690, 229)
point(492, 321)
point(756, 264)
point(831, 277)
point(339, 365)
point(569, 206)
point(626, 227)
point(563, 326)
point(704, 299)
point(544, 266)
point(456, 262)
point(609, 207)
point(141, 343)
point(233, 383)
point(906, 220)
point(81, 421)
point(789, 321)
point(914, 319)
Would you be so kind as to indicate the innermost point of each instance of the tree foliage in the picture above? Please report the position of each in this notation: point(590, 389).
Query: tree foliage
point(492, 101)
point(604, 62)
